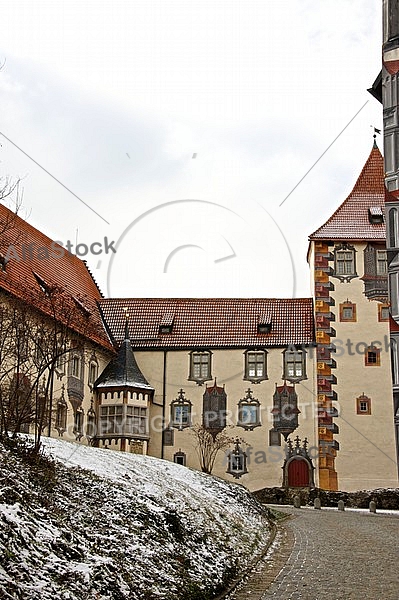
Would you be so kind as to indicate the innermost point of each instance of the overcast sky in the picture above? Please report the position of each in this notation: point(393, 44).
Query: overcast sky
point(184, 125)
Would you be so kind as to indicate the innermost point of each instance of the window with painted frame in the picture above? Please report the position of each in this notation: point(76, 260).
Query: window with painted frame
point(248, 412)
point(255, 365)
point(345, 262)
point(347, 312)
point(363, 405)
point(372, 357)
point(294, 362)
point(200, 366)
point(180, 458)
point(383, 312)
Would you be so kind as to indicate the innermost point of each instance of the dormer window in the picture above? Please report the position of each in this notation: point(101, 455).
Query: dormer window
point(43, 285)
point(376, 215)
point(264, 322)
point(165, 329)
point(166, 324)
point(3, 263)
point(82, 307)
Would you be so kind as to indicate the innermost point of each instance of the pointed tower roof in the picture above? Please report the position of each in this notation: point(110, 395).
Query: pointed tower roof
point(353, 219)
point(123, 370)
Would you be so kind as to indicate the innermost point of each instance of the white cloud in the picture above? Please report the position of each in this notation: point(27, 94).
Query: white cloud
point(114, 98)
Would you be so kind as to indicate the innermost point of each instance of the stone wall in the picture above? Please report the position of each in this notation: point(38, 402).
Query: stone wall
point(384, 498)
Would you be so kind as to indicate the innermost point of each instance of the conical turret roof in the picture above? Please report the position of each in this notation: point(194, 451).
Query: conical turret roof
point(123, 370)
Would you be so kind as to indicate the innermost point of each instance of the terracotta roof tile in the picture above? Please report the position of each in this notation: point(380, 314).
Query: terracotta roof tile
point(351, 219)
point(36, 263)
point(210, 322)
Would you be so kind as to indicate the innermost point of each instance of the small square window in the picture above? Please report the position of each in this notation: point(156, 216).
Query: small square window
point(347, 312)
point(383, 312)
point(180, 458)
point(274, 437)
point(237, 461)
point(372, 357)
point(363, 405)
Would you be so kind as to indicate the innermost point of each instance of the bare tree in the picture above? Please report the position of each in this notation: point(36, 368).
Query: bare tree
point(208, 446)
point(32, 346)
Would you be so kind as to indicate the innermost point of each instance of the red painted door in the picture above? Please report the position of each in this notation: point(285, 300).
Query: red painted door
point(298, 473)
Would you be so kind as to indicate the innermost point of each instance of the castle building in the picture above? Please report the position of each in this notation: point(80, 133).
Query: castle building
point(348, 261)
point(242, 366)
point(268, 392)
point(389, 96)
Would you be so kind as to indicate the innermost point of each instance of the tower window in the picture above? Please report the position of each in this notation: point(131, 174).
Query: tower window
point(363, 405)
point(347, 312)
point(383, 312)
point(345, 262)
point(372, 357)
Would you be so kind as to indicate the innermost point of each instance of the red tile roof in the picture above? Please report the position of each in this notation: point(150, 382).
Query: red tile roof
point(210, 322)
point(351, 219)
point(35, 263)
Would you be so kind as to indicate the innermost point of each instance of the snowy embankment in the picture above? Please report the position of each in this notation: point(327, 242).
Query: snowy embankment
point(102, 525)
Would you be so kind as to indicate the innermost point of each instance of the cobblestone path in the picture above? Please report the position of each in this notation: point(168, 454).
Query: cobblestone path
point(328, 555)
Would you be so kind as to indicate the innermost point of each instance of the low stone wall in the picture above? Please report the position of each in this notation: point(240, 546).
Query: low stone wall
point(384, 498)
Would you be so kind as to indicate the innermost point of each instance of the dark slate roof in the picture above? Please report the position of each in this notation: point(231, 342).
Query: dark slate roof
point(210, 322)
point(123, 370)
point(351, 221)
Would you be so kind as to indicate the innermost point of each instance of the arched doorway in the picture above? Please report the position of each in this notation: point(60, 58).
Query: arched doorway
point(298, 466)
point(298, 473)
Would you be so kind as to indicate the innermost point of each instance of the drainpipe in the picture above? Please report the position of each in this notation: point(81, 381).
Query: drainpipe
point(163, 401)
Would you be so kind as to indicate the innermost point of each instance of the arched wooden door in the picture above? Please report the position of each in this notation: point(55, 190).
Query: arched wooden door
point(298, 473)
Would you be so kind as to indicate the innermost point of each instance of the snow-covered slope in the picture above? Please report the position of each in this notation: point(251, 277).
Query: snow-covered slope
point(125, 527)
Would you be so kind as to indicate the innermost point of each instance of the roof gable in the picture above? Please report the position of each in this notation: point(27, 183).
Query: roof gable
point(36, 268)
point(351, 219)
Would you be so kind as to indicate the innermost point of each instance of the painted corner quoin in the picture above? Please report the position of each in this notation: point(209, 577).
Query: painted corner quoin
point(348, 259)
